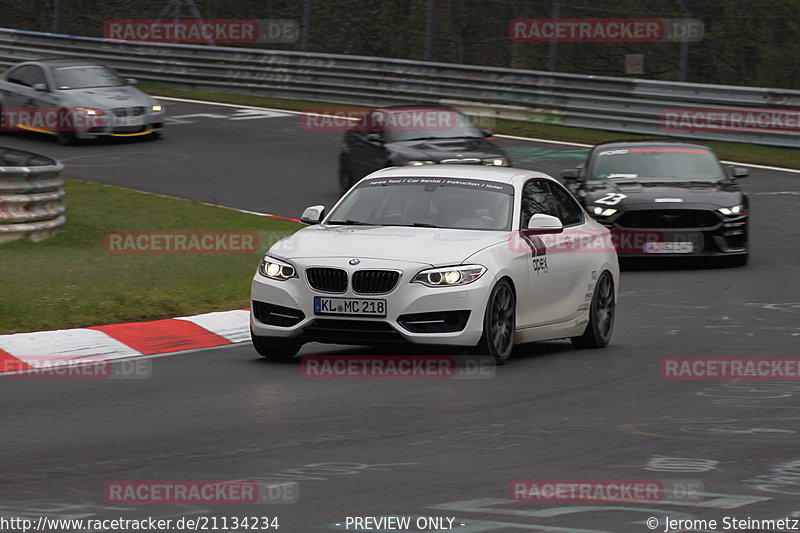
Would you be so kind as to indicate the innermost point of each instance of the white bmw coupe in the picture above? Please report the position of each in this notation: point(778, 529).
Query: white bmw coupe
point(443, 254)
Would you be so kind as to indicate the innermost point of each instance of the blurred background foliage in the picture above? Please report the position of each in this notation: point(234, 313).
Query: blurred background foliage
point(747, 42)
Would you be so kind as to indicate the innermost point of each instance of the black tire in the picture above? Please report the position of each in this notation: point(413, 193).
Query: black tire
point(346, 179)
point(499, 323)
point(601, 315)
point(275, 349)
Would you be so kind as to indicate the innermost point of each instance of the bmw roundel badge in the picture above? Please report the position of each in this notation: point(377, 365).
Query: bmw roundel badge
point(354, 261)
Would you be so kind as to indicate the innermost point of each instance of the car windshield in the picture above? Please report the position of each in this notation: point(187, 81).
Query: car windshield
point(656, 164)
point(434, 123)
point(85, 77)
point(456, 203)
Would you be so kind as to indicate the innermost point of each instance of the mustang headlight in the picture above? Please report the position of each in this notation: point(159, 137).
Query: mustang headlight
point(495, 161)
point(449, 276)
point(732, 211)
point(275, 269)
point(418, 163)
point(598, 211)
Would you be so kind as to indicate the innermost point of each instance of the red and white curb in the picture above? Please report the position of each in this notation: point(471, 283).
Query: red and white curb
point(25, 351)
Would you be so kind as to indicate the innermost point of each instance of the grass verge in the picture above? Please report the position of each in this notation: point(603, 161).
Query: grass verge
point(70, 280)
point(741, 152)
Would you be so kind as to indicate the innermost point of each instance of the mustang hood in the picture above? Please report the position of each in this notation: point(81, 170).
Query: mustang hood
point(438, 149)
point(667, 194)
point(428, 246)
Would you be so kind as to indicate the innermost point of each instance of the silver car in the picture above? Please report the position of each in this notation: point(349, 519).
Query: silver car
point(76, 98)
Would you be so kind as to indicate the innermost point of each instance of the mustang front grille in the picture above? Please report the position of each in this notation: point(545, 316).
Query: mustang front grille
point(669, 218)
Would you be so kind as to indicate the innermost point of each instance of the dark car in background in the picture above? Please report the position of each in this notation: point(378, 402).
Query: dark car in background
point(414, 135)
point(664, 198)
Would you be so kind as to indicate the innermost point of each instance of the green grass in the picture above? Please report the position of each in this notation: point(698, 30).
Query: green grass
point(70, 280)
point(741, 152)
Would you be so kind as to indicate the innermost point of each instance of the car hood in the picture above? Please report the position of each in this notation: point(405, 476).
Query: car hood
point(109, 97)
point(427, 246)
point(438, 149)
point(666, 194)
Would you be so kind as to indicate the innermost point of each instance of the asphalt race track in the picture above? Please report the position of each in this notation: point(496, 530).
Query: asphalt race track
point(436, 447)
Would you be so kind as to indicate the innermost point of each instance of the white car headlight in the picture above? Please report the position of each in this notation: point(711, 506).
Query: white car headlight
point(275, 269)
point(602, 211)
point(733, 210)
point(417, 163)
point(449, 276)
point(156, 108)
point(495, 161)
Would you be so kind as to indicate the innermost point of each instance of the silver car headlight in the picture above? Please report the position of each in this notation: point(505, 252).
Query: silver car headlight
point(495, 161)
point(275, 269)
point(449, 276)
point(732, 211)
point(156, 108)
point(418, 163)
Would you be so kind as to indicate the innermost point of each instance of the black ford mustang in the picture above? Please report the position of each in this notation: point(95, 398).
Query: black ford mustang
point(414, 135)
point(664, 198)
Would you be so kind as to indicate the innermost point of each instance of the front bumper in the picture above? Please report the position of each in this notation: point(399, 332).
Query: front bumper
point(414, 312)
point(721, 236)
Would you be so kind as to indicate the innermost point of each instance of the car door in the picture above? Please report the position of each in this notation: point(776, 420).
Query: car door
point(581, 246)
point(41, 105)
point(554, 277)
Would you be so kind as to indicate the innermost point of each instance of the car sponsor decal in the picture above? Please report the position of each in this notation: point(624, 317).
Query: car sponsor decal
point(668, 200)
point(538, 251)
point(624, 151)
point(611, 199)
point(504, 188)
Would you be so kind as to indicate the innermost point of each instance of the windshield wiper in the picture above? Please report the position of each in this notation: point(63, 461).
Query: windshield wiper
point(350, 222)
point(414, 225)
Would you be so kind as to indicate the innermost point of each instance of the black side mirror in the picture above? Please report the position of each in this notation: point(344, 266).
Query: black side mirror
point(571, 174)
point(487, 133)
point(740, 172)
point(375, 138)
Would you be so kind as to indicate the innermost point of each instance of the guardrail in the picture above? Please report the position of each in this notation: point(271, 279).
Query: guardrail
point(30, 196)
point(617, 104)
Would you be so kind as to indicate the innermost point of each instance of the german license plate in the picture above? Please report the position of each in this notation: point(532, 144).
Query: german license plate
point(130, 121)
point(349, 306)
point(668, 247)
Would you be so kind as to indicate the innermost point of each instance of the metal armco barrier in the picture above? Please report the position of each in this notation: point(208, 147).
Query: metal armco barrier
point(617, 104)
point(30, 196)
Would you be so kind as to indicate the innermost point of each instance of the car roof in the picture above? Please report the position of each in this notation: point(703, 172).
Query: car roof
point(478, 172)
point(67, 61)
point(620, 143)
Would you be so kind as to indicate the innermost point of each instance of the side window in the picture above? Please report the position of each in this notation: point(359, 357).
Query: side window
point(28, 75)
point(569, 212)
point(537, 199)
